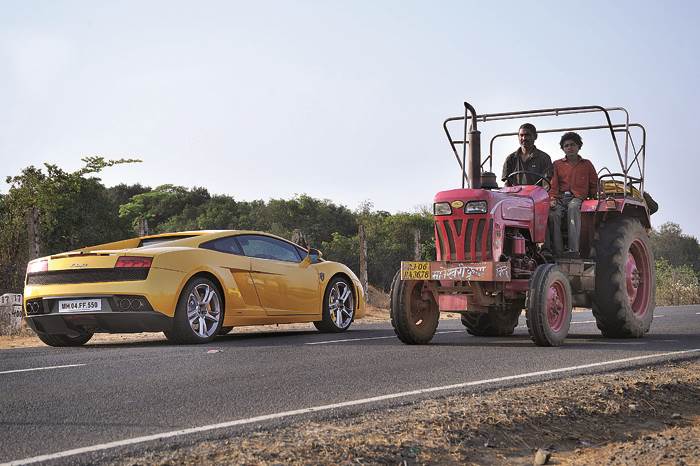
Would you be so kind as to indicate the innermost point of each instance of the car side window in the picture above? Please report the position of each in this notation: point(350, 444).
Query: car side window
point(302, 252)
point(264, 247)
point(229, 245)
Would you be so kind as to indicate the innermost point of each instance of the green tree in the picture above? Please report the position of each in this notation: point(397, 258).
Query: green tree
point(318, 219)
point(73, 209)
point(122, 193)
point(167, 208)
point(343, 249)
point(671, 244)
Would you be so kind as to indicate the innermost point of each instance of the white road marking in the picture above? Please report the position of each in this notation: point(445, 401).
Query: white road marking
point(315, 409)
point(588, 321)
point(348, 339)
point(325, 342)
point(572, 322)
point(42, 368)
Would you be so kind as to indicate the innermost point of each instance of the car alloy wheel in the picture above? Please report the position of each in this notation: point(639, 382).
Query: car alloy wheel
point(341, 304)
point(204, 310)
point(338, 304)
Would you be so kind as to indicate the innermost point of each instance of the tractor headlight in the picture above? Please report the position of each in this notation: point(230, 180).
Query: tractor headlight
point(442, 208)
point(476, 207)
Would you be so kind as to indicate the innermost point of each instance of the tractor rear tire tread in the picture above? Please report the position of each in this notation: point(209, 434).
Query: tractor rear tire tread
point(611, 307)
point(494, 322)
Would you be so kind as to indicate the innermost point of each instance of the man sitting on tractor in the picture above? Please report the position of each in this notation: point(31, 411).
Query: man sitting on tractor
point(574, 180)
point(527, 158)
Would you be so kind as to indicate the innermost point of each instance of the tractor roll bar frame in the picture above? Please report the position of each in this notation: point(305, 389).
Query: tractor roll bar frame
point(471, 118)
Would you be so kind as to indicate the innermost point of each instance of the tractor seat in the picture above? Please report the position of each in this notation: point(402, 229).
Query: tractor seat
point(617, 188)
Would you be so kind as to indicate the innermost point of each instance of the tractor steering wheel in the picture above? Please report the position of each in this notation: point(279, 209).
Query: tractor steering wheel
point(540, 178)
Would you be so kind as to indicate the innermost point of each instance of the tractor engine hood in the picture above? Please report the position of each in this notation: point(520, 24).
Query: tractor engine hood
point(466, 219)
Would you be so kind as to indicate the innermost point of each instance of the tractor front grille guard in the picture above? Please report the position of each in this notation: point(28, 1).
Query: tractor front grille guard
point(464, 239)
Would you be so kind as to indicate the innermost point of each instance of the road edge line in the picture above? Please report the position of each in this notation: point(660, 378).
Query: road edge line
point(14, 371)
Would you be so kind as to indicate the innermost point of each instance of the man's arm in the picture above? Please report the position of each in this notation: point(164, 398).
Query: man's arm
point(506, 171)
point(548, 167)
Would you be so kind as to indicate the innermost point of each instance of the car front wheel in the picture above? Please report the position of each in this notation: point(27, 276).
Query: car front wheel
point(338, 307)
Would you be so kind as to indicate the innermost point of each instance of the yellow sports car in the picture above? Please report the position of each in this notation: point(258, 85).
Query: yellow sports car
point(192, 286)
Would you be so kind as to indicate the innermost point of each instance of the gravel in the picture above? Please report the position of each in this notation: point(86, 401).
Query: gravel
point(646, 416)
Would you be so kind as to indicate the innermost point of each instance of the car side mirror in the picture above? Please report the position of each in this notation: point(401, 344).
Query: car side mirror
point(314, 255)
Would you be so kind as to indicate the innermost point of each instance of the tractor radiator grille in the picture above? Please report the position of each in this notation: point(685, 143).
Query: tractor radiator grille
point(60, 277)
point(464, 239)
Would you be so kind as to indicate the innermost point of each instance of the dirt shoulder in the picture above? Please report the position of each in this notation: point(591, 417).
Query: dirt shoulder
point(647, 416)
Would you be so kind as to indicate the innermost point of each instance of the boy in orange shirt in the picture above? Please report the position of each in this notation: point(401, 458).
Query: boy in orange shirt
point(574, 180)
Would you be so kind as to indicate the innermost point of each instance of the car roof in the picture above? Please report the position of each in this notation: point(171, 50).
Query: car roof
point(207, 235)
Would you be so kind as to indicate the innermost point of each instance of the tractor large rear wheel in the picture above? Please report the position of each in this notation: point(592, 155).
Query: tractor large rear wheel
point(493, 323)
point(414, 313)
point(625, 280)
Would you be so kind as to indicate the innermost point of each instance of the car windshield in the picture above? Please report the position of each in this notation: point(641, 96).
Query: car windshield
point(149, 242)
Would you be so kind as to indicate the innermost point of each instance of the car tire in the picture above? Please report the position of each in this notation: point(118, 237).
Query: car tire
point(65, 340)
point(199, 314)
point(338, 307)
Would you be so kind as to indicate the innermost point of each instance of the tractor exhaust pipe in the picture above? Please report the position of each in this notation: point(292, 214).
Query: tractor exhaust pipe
point(474, 166)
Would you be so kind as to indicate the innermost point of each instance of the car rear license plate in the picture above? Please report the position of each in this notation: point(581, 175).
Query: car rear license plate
point(78, 305)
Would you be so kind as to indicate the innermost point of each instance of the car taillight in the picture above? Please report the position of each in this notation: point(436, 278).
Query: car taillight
point(38, 266)
point(134, 261)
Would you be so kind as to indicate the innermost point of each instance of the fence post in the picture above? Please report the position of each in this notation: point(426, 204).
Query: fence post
point(416, 244)
point(363, 261)
point(299, 238)
point(143, 227)
point(33, 232)
point(10, 314)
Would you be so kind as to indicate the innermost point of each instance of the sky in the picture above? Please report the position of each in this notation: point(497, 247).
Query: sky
point(340, 100)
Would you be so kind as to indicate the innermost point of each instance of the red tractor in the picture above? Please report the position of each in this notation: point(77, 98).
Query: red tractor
point(490, 265)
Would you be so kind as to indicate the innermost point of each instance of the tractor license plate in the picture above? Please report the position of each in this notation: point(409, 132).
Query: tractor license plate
point(461, 271)
point(415, 270)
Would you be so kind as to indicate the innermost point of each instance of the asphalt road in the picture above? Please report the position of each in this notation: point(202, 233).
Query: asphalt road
point(127, 392)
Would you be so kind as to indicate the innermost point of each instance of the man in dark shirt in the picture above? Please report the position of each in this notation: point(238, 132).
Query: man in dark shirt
point(574, 180)
point(527, 158)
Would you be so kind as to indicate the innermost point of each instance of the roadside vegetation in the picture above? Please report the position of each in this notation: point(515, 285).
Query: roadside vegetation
point(74, 209)
point(677, 265)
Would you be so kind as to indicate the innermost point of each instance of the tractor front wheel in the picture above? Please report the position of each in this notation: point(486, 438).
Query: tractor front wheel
point(549, 306)
point(414, 312)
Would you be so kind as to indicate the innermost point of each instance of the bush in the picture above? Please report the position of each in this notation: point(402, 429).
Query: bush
point(676, 285)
